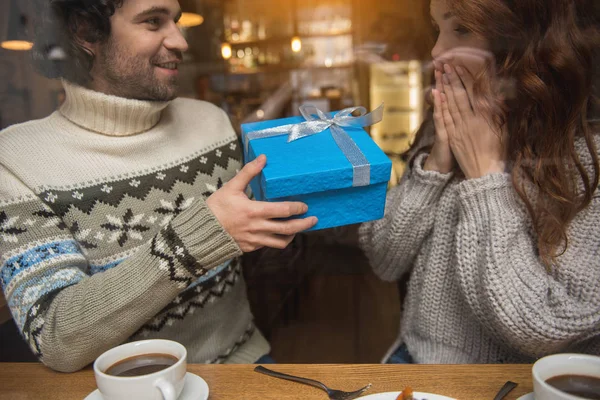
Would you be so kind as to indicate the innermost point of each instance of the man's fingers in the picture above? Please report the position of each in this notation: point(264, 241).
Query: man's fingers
point(275, 241)
point(250, 170)
point(287, 228)
point(284, 209)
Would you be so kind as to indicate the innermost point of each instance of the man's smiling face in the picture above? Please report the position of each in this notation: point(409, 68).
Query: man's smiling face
point(141, 56)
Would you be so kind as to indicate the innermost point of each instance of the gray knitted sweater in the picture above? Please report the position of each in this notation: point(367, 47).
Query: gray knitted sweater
point(478, 292)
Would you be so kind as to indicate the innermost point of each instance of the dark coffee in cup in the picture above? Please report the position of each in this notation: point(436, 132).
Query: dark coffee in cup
point(143, 364)
point(587, 387)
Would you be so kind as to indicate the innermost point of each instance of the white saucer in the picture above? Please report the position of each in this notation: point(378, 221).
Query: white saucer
point(195, 388)
point(528, 396)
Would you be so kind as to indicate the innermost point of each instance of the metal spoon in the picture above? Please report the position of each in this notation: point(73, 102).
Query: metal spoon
point(508, 386)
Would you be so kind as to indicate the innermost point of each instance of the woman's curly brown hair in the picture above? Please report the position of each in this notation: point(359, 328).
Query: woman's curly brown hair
point(58, 51)
point(548, 49)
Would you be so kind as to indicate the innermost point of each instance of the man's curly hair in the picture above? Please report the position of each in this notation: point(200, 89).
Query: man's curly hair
point(58, 51)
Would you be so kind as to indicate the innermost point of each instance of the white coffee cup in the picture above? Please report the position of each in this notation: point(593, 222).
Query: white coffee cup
point(165, 384)
point(561, 364)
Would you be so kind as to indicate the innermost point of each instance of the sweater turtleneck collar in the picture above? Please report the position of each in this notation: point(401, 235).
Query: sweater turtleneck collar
point(107, 114)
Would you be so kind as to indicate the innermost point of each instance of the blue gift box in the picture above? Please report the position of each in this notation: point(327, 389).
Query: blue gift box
point(314, 170)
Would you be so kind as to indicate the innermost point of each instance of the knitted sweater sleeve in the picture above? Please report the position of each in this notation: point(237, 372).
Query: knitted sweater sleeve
point(68, 316)
point(392, 243)
point(505, 284)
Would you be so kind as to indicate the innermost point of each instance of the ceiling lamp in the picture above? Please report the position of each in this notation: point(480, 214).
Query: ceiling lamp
point(226, 51)
point(189, 19)
point(17, 45)
point(16, 35)
point(296, 44)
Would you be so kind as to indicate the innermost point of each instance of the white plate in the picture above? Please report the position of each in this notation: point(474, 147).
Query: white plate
point(416, 395)
point(528, 396)
point(195, 388)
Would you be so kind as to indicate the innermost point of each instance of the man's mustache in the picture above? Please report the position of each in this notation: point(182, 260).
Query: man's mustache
point(175, 56)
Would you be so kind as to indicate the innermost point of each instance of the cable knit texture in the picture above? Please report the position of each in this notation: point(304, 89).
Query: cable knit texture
point(105, 236)
point(478, 292)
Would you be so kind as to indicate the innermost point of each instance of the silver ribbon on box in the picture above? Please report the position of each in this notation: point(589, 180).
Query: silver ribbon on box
point(317, 121)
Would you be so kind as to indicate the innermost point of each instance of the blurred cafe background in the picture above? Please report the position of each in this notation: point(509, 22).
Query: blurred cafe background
point(317, 300)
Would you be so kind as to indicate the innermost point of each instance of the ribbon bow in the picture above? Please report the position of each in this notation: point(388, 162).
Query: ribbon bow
point(317, 121)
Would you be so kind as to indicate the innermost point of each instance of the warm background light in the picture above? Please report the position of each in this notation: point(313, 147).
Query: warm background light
point(188, 20)
point(20, 45)
point(296, 44)
point(226, 51)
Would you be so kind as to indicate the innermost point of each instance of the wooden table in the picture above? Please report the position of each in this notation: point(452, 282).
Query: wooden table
point(240, 382)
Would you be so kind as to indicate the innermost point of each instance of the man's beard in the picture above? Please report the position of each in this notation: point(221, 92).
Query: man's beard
point(134, 78)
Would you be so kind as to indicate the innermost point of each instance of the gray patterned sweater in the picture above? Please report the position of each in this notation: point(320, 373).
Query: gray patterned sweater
point(105, 236)
point(478, 292)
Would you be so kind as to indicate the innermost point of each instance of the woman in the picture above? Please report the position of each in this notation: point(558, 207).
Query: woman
point(498, 220)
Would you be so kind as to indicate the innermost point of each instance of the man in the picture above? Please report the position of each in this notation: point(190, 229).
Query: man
point(121, 214)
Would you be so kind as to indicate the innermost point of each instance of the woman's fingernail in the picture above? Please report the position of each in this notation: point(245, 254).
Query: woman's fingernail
point(459, 70)
point(447, 68)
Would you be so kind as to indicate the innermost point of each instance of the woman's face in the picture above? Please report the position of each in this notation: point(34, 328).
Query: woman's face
point(455, 44)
